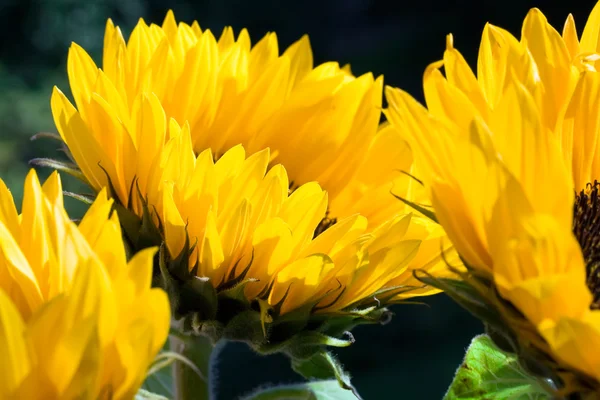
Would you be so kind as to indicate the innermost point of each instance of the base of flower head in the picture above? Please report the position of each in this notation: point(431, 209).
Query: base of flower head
point(511, 331)
point(224, 312)
point(221, 310)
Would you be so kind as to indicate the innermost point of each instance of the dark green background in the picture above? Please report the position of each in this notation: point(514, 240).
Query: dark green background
point(413, 357)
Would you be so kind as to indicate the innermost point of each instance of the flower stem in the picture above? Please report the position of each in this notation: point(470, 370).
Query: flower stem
point(193, 380)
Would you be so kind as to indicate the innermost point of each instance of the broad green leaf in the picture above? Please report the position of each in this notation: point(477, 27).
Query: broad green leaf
point(488, 373)
point(318, 390)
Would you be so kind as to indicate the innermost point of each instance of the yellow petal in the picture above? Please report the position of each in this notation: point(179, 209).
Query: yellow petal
point(552, 60)
point(572, 338)
point(8, 212)
point(445, 100)
point(570, 37)
point(301, 59)
point(590, 38)
point(17, 362)
point(271, 244)
point(579, 127)
point(82, 74)
point(298, 282)
point(85, 149)
point(211, 254)
point(460, 75)
point(173, 223)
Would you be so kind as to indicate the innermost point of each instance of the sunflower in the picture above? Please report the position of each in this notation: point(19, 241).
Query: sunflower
point(255, 168)
point(509, 158)
point(77, 319)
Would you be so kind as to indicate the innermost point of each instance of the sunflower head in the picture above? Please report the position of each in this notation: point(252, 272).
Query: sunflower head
point(78, 320)
point(245, 258)
point(265, 180)
point(508, 156)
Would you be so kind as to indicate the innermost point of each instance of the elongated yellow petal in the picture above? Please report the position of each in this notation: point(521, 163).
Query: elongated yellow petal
point(299, 281)
point(8, 211)
point(572, 339)
point(14, 349)
point(85, 149)
point(590, 37)
point(552, 60)
point(569, 35)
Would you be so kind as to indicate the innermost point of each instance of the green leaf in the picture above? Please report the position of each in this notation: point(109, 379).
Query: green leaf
point(159, 380)
point(159, 383)
point(147, 395)
point(318, 390)
point(488, 373)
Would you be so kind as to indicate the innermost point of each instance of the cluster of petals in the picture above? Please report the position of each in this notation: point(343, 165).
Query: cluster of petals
point(502, 153)
point(245, 152)
point(76, 319)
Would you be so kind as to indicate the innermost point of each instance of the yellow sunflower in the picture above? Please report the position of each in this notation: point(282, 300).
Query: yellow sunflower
point(77, 319)
point(509, 157)
point(258, 167)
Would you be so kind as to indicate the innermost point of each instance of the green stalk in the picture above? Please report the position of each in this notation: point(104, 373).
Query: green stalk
point(192, 382)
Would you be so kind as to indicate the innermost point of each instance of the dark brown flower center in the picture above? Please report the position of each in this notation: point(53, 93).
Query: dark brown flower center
point(586, 227)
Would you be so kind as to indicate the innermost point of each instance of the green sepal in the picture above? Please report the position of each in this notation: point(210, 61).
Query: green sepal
point(245, 326)
point(84, 198)
point(304, 344)
point(465, 295)
point(488, 372)
point(427, 213)
point(337, 323)
point(55, 136)
point(197, 295)
point(237, 292)
point(140, 232)
point(317, 390)
point(62, 166)
point(212, 329)
point(233, 300)
point(386, 295)
point(46, 135)
point(191, 297)
point(323, 365)
point(289, 324)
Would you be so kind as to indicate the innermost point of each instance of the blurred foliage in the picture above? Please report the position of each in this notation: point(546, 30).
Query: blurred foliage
point(413, 357)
